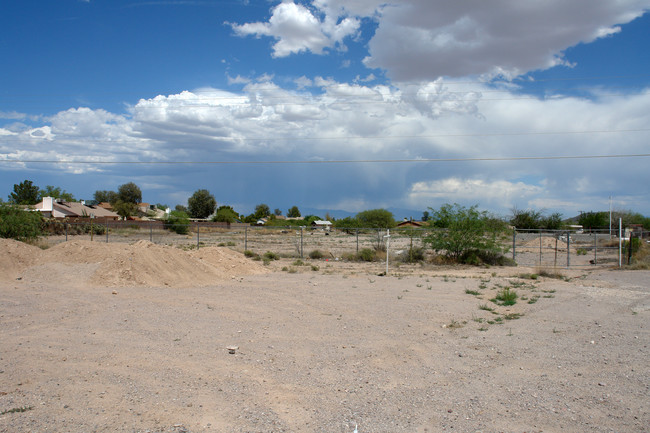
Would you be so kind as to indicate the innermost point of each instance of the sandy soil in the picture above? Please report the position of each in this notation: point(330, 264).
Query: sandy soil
point(111, 337)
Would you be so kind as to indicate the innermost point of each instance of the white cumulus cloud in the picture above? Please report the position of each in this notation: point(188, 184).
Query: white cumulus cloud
point(297, 29)
point(421, 40)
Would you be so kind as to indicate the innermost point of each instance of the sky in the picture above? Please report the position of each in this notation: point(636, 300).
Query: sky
point(331, 104)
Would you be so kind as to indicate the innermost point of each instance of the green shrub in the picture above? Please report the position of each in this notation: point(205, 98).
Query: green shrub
point(506, 297)
point(19, 224)
point(636, 244)
point(316, 254)
point(414, 255)
point(271, 256)
point(465, 234)
point(178, 222)
point(366, 255)
point(485, 257)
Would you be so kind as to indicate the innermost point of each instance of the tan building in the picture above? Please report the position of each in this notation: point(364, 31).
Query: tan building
point(54, 208)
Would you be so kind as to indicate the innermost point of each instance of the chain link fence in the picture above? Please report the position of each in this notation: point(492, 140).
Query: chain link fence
point(563, 248)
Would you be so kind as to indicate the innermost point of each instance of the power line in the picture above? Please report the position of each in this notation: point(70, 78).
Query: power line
point(340, 161)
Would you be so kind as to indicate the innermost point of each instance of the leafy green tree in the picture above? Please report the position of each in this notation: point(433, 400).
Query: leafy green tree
point(277, 212)
point(262, 211)
point(202, 204)
point(347, 223)
point(629, 217)
point(180, 208)
point(467, 230)
point(178, 222)
point(125, 209)
point(161, 206)
point(19, 224)
point(526, 219)
point(129, 193)
point(104, 196)
point(594, 220)
point(24, 193)
point(376, 218)
point(308, 219)
point(425, 216)
point(55, 192)
point(225, 214)
point(294, 212)
point(552, 222)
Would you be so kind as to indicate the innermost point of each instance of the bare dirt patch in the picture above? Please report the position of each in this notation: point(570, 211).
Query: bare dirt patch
point(93, 340)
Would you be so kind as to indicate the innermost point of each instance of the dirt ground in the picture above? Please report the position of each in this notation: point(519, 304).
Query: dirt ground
point(98, 337)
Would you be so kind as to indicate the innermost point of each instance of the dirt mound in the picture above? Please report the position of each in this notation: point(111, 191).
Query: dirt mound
point(123, 265)
point(547, 242)
point(15, 256)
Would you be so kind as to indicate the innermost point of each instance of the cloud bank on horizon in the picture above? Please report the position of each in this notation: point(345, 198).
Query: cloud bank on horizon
point(410, 81)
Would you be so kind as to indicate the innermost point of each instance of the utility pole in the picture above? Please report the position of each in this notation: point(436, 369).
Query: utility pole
point(610, 216)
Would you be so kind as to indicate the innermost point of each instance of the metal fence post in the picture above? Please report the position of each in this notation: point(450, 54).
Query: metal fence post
point(66, 231)
point(540, 248)
point(357, 241)
point(514, 244)
point(568, 250)
point(620, 243)
point(301, 245)
point(106, 231)
point(245, 238)
point(150, 232)
point(198, 235)
point(596, 248)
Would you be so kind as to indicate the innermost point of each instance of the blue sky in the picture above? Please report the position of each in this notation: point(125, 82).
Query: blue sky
point(444, 94)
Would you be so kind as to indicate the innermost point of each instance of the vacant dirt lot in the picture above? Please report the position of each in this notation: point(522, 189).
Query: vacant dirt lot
point(100, 337)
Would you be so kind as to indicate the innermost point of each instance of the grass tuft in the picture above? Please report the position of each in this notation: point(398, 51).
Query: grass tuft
point(505, 297)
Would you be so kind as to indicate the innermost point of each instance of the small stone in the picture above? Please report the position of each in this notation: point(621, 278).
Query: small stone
point(601, 384)
point(232, 349)
point(114, 292)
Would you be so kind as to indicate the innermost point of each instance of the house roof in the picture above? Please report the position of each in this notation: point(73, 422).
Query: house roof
point(321, 223)
point(411, 223)
point(76, 209)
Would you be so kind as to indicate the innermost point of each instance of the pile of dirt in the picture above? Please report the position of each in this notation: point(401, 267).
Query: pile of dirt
point(547, 242)
point(121, 265)
point(16, 256)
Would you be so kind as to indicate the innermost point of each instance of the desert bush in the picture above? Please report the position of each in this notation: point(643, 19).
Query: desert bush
point(640, 257)
point(483, 257)
point(505, 297)
point(269, 255)
point(366, 255)
point(414, 255)
point(16, 223)
point(464, 232)
point(178, 222)
point(548, 273)
point(57, 227)
point(316, 254)
point(636, 244)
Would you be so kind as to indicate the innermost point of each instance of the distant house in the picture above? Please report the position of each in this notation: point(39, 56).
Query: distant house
point(411, 223)
point(325, 225)
point(54, 208)
point(145, 207)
